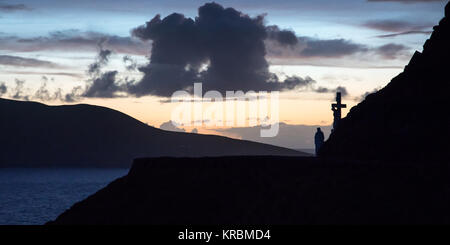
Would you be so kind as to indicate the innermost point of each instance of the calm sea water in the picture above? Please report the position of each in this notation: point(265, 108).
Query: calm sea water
point(35, 196)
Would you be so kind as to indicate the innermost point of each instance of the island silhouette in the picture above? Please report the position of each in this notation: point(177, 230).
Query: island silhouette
point(37, 135)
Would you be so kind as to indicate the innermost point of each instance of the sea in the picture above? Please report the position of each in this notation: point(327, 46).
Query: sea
point(34, 196)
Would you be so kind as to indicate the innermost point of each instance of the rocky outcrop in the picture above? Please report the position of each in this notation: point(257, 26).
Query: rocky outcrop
point(269, 190)
point(408, 119)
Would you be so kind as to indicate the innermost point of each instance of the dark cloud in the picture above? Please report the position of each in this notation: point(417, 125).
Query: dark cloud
point(99, 85)
point(283, 37)
point(13, 7)
point(338, 48)
point(43, 94)
point(363, 96)
point(341, 89)
point(404, 34)
point(103, 86)
point(18, 92)
point(308, 48)
point(69, 74)
point(297, 82)
point(391, 50)
point(395, 25)
point(9, 60)
point(74, 94)
point(104, 55)
point(398, 27)
point(101, 60)
point(329, 48)
point(323, 90)
point(407, 1)
point(3, 89)
point(171, 126)
point(229, 43)
point(130, 64)
point(74, 40)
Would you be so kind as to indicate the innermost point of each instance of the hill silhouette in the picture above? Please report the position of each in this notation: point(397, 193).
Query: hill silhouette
point(34, 135)
point(409, 118)
point(269, 190)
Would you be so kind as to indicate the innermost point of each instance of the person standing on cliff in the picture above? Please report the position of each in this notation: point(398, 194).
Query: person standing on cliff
point(319, 138)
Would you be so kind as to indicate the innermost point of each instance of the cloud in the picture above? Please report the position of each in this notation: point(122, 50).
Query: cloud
point(101, 85)
point(9, 60)
point(101, 60)
point(222, 47)
point(171, 126)
point(404, 34)
point(3, 89)
point(315, 51)
point(69, 74)
point(398, 27)
point(130, 64)
point(19, 91)
point(336, 49)
point(283, 37)
point(309, 49)
point(407, 1)
point(74, 40)
point(391, 50)
point(292, 82)
point(43, 94)
point(74, 94)
point(13, 7)
point(395, 25)
point(341, 89)
point(364, 96)
point(330, 48)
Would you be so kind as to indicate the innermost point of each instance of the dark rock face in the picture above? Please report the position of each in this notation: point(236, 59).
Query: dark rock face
point(269, 190)
point(36, 135)
point(410, 117)
point(447, 11)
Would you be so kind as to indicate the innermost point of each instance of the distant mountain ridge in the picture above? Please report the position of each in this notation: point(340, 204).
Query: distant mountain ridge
point(290, 135)
point(35, 135)
point(409, 119)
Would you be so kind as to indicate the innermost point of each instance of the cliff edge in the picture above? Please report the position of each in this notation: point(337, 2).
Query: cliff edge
point(410, 117)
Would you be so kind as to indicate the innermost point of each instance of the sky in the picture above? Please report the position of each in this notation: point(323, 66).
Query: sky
point(120, 54)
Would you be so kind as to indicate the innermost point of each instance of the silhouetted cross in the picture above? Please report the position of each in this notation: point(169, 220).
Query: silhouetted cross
point(336, 108)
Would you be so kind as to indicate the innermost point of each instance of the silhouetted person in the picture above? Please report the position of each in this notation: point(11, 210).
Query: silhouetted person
point(319, 138)
point(335, 116)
